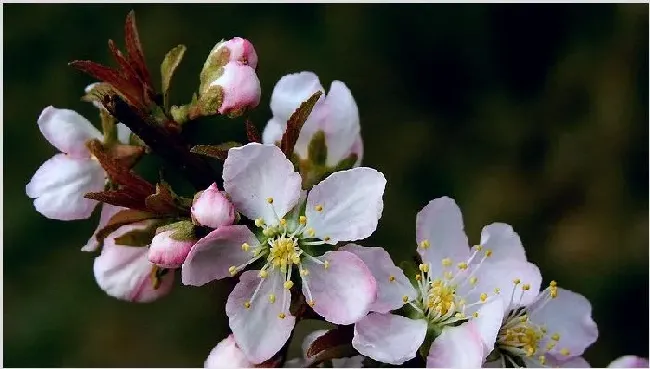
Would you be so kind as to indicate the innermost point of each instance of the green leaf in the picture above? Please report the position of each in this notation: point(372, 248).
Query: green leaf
point(168, 67)
point(317, 149)
point(124, 217)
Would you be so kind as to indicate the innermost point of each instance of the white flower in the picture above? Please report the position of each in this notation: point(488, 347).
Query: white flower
point(262, 185)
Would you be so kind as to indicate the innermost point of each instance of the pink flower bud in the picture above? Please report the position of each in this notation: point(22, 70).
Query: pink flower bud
point(234, 88)
point(168, 252)
point(236, 49)
point(211, 208)
point(227, 355)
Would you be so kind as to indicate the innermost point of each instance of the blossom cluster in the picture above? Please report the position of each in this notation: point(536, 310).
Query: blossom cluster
point(281, 219)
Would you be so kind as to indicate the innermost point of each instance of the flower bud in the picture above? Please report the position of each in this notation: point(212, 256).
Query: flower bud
point(230, 89)
point(170, 246)
point(236, 49)
point(227, 355)
point(211, 208)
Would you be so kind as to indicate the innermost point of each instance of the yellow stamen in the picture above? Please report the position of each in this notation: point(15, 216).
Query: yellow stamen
point(245, 246)
point(424, 268)
point(312, 303)
point(473, 280)
point(405, 299)
point(311, 232)
point(418, 277)
point(272, 298)
point(425, 244)
point(318, 207)
point(327, 238)
point(565, 351)
point(232, 270)
point(326, 264)
point(288, 285)
point(247, 305)
point(259, 222)
point(488, 253)
point(283, 222)
point(553, 284)
point(483, 297)
point(303, 220)
point(264, 274)
point(525, 287)
point(304, 272)
point(446, 262)
point(475, 315)
point(281, 316)
point(542, 359)
point(269, 200)
point(462, 266)
point(479, 247)
point(391, 278)
point(555, 337)
point(516, 281)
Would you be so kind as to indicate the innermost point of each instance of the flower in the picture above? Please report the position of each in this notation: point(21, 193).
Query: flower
point(108, 211)
point(629, 361)
point(227, 355)
point(125, 272)
point(336, 115)
point(211, 208)
point(304, 361)
point(168, 251)
point(59, 185)
point(451, 300)
point(236, 49)
point(262, 185)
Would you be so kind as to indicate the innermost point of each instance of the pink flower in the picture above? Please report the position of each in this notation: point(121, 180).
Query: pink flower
point(240, 88)
point(211, 208)
point(450, 297)
point(125, 272)
point(59, 185)
point(336, 115)
point(262, 185)
point(167, 251)
point(227, 355)
point(629, 361)
point(237, 49)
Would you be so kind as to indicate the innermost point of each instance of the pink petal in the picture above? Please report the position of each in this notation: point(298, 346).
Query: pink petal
point(107, 213)
point(440, 224)
point(291, 91)
point(124, 272)
point(357, 148)
point(392, 284)
point(227, 355)
point(212, 208)
point(254, 173)
point(351, 203)
point(212, 255)
point(60, 184)
point(273, 132)
point(167, 252)
point(240, 87)
point(258, 330)
point(67, 131)
point(629, 361)
point(457, 347)
point(569, 315)
point(488, 322)
point(344, 291)
point(503, 241)
point(389, 338)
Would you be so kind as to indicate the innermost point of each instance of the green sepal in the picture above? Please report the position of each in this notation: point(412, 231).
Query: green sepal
point(317, 149)
point(137, 237)
point(181, 231)
point(168, 68)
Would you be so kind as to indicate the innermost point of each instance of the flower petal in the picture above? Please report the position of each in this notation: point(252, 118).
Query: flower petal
point(457, 347)
point(291, 91)
point(60, 184)
point(629, 361)
point(258, 329)
point(440, 226)
point(124, 272)
point(272, 132)
point(503, 241)
point(357, 148)
point(254, 173)
point(389, 338)
point(392, 284)
point(347, 205)
point(67, 131)
point(212, 255)
point(123, 133)
point(227, 355)
point(108, 211)
point(552, 362)
point(569, 315)
point(488, 323)
point(343, 289)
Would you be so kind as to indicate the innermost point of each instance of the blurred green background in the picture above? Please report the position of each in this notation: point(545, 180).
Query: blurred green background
point(534, 115)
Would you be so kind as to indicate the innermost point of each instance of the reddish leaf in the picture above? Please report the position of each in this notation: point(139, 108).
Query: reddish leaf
point(118, 198)
point(134, 47)
point(251, 132)
point(333, 344)
point(215, 151)
point(123, 217)
point(163, 201)
point(110, 76)
point(295, 123)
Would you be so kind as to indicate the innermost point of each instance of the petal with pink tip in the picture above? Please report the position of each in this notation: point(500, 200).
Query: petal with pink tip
point(440, 226)
point(67, 130)
point(291, 91)
point(343, 289)
point(60, 184)
point(347, 205)
point(569, 315)
point(254, 173)
point(457, 347)
point(227, 355)
point(503, 241)
point(389, 338)
point(258, 330)
point(124, 272)
point(107, 213)
point(214, 254)
point(392, 284)
point(629, 361)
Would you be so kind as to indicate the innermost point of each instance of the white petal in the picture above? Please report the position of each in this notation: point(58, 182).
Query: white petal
point(351, 203)
point(629, 361)
point(258, 330)
point(272, 132)
point(227, 355)
point(457, 347)
point(503, 241)
point(108, 211)
point(123, 133)
point(488, 322)
point(440, 223)
point(67, 131)
point(291, 91)
point(392, 284)
point(254, 173)
point(389, 338)
point(60, 184)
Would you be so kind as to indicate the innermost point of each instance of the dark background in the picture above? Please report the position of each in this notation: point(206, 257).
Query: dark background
point(534, 115)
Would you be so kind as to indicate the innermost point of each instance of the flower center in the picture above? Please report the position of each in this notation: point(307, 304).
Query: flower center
point(442, 297)
point(284, 252)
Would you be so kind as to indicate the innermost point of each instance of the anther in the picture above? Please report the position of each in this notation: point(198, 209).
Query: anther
point(424, 268)
point(516, 281)
point(245, 246)
point(473, 280)
point(272, 298)
point(247, 305)
point(553, 292)
point(326, 264)
point(418, 277)
point(405, 299)
point(525, 287)
point(327, 238)
point(264, 274)
point(542, 359)
point(462, 266)
point(391, 278)
point(311, 232)
point(530, 351)
point(479, 247)
point(304, 272)
point(448, 275)
point(475, 315)
point(446, 262)
point(565, 351)
point(425, 244)
point(483, 297)
point(459, 315)
point(318, 207)
point(555, 337)
point(303, 220)
point(269, 200)
point(283, 222)
point(281, 316)
point(311, 303)
point(488, 253)
point(259, 222)
point(232, 270)
point(497, 291)
point(553, 284)
point(288, 285)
